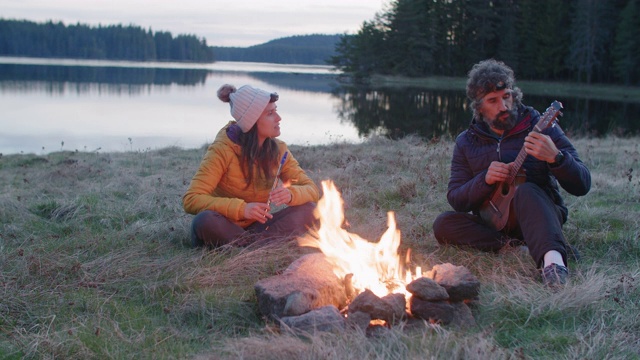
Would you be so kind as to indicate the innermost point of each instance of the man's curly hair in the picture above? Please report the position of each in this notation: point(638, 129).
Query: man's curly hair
point(488, 76)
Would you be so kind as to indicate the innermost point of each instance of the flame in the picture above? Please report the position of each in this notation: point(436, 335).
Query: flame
point(375, 266)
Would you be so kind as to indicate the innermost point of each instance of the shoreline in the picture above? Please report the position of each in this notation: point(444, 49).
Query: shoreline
point(609, 92)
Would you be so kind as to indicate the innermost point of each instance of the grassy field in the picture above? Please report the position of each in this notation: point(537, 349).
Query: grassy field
point(95, 262)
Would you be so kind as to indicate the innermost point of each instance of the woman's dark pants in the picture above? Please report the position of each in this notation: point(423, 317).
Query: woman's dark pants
point(212, 229)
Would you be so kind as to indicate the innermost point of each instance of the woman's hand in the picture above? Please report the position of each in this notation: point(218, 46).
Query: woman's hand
point(281, 195)
point(258, 212)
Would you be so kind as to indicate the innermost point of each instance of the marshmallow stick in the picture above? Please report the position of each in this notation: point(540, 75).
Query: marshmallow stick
point(275, 182)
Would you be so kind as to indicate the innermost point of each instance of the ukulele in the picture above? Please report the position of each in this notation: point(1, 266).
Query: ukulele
point(496, 210)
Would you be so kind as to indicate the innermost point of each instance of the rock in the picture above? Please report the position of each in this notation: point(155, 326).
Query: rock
point(326, 318)
point(308, 283)
point(427, 289)
point(377, 331)
point(459, 282)
point(398, 305)
point(433, 311)
point(358, 320)
point(391, 308)
point(462, 316)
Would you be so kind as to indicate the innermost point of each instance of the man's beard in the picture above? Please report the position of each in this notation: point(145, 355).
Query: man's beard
point(505, 125)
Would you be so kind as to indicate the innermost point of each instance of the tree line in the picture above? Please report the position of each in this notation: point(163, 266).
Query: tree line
point(117, 42)
point(113, 42)
point(568, 40)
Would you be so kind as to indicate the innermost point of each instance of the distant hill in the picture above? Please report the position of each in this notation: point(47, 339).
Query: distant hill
point(301, 49)
point(117, 42)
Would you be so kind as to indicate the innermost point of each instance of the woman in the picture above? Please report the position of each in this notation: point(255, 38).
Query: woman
point(232, 192)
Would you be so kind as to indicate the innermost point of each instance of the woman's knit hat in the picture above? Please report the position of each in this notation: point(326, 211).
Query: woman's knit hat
point(247, 103)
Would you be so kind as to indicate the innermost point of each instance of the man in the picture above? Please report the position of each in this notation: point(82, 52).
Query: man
point(482, 159)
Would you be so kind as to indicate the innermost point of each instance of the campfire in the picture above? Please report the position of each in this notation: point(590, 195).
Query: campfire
point(353, 282)
point(374, 266)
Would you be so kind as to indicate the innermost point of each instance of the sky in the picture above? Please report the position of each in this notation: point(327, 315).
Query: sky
point(221, 22)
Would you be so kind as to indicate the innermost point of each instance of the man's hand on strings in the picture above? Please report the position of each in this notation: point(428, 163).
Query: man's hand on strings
point(540, 146)
point(497, 172)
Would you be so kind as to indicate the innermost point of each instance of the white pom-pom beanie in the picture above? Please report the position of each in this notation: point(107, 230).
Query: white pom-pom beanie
point(247, 103)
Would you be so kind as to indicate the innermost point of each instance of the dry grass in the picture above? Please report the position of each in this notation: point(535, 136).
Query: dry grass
point(95, 261)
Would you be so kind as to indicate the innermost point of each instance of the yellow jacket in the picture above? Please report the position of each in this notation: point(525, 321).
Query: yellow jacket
point(219, 183)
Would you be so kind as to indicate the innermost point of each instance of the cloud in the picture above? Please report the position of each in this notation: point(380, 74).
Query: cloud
point(221, 23)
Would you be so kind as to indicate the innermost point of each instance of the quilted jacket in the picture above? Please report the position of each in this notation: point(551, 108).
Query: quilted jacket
point(476, 147)
point(219, 183)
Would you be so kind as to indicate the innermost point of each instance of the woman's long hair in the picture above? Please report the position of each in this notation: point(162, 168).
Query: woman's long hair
point(264, 158)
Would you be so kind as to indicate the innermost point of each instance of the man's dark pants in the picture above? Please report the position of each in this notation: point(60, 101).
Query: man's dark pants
point(539, 226)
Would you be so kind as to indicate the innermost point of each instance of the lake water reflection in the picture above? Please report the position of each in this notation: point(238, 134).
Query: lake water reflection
point(52, 105)
point(89, 105)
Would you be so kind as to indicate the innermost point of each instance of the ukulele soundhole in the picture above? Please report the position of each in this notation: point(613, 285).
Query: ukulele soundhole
point(504, 189)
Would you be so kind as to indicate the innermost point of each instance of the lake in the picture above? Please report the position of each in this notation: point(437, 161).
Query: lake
point(91, 105)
